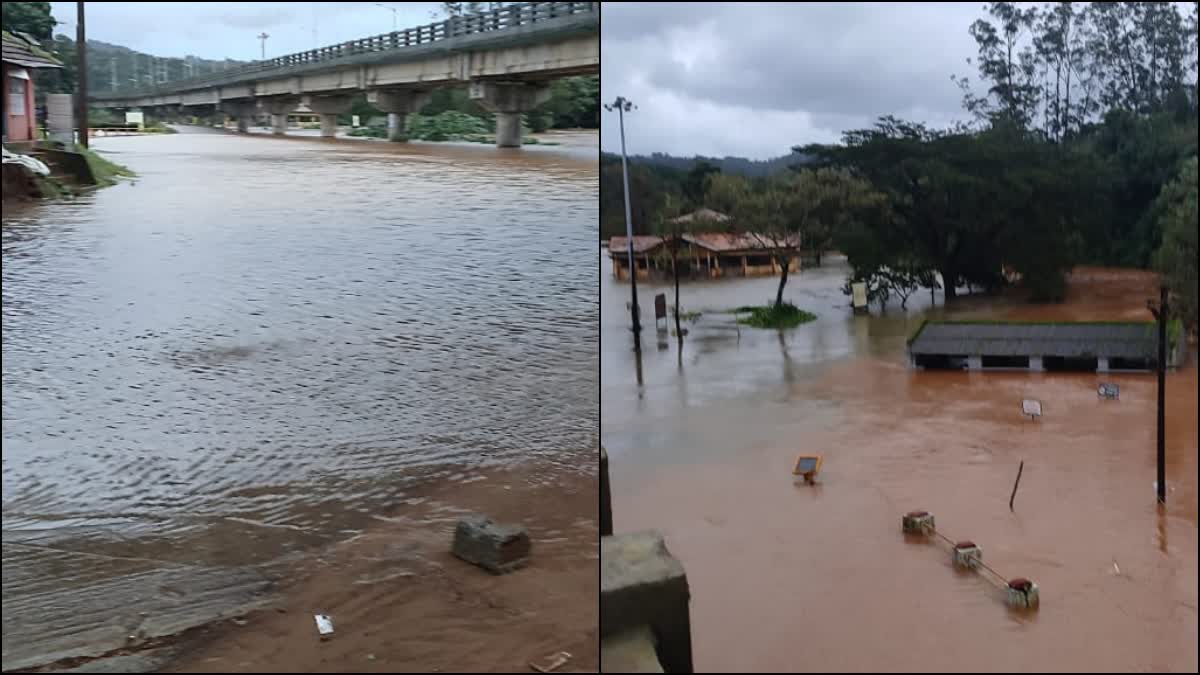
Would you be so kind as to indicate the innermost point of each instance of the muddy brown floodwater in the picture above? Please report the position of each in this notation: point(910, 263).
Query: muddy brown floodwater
point(820, 578)
point(264, 348)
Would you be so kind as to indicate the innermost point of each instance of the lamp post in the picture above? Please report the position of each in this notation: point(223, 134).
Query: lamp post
point(622, 106)
point(1161, 312)
point(393, 10)
point(262, 38)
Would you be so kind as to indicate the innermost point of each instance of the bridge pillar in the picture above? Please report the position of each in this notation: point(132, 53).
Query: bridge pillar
point(328, 107)
point(242, 110)
point(279, 107)
point(398, 104)
point(508, 100)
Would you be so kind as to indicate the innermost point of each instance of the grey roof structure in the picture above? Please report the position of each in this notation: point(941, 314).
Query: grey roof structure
point(1112, 340)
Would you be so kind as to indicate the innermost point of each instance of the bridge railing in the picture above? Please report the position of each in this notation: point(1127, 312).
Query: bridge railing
point(502, 18)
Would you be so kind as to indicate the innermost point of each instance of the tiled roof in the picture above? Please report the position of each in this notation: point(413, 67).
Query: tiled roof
point(718, 242)
point(1119, 340)
point(21, 53)
point(641, 243)
point(701, 214)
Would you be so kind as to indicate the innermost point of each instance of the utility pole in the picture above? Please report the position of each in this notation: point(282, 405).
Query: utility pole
point(393, 10)
point(81, 95)
point(622, 106)
point(1161, 313)
point(112, 73)
point(262, 38)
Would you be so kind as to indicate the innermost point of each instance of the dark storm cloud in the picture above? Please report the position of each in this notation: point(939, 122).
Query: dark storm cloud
point(755, 78)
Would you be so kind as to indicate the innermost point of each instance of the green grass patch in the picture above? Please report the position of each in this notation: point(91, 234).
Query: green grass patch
point(691, 317)
point(105, 171)
point(786, 315)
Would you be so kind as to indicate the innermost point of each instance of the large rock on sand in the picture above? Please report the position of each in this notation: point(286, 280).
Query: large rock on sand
point(494, 547)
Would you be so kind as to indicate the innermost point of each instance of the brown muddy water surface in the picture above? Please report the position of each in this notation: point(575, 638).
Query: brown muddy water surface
point(820, 578)
point(262, 345)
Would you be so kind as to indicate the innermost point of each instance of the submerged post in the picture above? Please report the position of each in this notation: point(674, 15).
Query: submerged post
point(606, 525)
point(1161, 313)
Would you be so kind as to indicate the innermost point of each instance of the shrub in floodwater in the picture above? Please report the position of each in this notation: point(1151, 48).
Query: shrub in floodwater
point(448, 125)
point(785, 315)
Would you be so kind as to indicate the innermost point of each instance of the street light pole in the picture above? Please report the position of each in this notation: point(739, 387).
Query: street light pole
point(622, 105)
point(1161, 313)
point(262, 38)
point(393, 10)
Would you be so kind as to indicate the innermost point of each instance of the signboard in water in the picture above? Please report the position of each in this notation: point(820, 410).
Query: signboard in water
point(859, 292)
point(132, 118)
point(660, 306)
point(1031, 407)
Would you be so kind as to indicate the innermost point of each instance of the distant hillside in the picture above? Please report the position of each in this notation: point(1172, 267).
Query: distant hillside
point(730, 165)
point(114, 68)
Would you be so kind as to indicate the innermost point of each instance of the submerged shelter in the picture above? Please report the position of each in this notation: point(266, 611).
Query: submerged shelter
point(1082, 346)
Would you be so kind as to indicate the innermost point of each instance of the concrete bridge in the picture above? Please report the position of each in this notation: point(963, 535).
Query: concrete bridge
point(507, 57)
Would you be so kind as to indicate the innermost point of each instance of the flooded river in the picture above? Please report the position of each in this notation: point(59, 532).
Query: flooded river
point(788, 577)
point(262, 342)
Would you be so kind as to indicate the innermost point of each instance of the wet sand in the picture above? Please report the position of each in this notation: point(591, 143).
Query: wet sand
point(402, 603)
point(788, 577)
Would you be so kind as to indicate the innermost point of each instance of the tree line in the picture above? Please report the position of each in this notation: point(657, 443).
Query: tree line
point(1079, 149)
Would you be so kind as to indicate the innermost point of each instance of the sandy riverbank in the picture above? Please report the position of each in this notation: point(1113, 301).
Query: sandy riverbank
point(402, 603)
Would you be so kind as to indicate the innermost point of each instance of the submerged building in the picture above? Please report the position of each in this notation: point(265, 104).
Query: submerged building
point(1080, 346)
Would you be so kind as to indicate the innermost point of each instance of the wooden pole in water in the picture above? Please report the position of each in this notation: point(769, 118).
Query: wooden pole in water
point(1160, 313)
point(1018, 482)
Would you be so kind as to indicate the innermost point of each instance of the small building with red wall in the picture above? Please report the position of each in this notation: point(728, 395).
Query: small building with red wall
point(20, 58)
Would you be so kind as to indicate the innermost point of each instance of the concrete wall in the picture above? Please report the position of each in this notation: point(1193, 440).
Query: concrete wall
point(644, 591)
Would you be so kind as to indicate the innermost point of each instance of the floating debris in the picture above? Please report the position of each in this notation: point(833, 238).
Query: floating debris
point(1108, 390)
point(324, 625)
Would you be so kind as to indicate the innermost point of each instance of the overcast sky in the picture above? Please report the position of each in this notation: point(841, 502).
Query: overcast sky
point(218, 30)
point(754, 79)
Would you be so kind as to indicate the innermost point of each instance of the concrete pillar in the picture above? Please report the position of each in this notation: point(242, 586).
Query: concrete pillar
point(328, 107)
point(508, 129)
point(280, 107)
point(508, 100)
point(1102, 364)
point(643, 585)
point(328, 125)
point(1035, 364)
point(243, 124)
point(974, 363)
point(398, 104)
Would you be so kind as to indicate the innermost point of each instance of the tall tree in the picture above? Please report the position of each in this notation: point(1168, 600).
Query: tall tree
point(33, 18)
point(760, 214)
point(1008, 66)
point(1177, 257)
